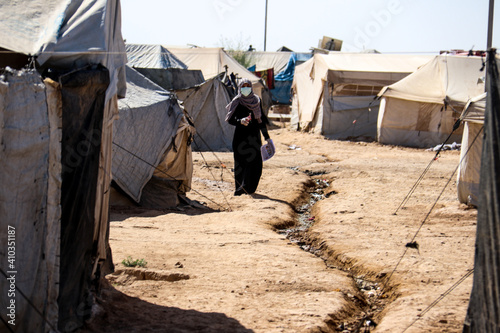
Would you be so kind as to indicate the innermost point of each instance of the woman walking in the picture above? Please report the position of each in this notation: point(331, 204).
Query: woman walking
point(245, 112)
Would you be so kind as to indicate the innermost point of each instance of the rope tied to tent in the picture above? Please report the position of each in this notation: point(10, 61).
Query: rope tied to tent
point(166, 174)
point(213, 176)
point(441, 297)
point(456, 125)
point(30, 303)
point(412, 243)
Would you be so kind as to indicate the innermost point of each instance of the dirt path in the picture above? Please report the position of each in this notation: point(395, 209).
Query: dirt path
point(239, 266)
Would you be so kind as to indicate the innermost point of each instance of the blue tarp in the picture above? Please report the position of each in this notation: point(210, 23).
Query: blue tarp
point(281, 92)
point(283, 80)
point(289, 71)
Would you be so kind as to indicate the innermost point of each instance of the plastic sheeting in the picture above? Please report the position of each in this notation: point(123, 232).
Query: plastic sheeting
point(83, 94)
point(30, 166)
point(283, 63)
point(152, 56)
point(483, 314)
point(173, 78)
point(282, 92)
point(206, 105)
point(288, 72)
point(149, 119)
point(67, 34)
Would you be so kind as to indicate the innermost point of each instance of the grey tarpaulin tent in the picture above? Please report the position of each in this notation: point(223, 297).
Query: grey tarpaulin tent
point(162, 67)
point(206, 105)
point(214, 61)
point(483, 314)
point(151, 132)
point(58, 146)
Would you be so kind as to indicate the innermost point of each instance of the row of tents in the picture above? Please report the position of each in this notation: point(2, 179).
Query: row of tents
point(87, 121)
point(407, 100)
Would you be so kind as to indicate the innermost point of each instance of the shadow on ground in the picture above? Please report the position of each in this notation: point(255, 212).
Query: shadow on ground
point(121, 313)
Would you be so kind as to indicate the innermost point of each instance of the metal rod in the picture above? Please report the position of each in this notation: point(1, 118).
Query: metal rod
point(490, 24)
point(265, 28)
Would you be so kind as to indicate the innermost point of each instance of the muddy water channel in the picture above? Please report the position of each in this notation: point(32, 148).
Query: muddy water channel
point(369, 301)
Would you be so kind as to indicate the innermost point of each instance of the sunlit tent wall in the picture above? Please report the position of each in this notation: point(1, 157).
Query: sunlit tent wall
point(162, 67)
point(152, 161)
point(206, 105)
point(421, 109)
point(56, 154)
point(470, 153)
point(283, 64)
point(214, 61)
point(333, 94)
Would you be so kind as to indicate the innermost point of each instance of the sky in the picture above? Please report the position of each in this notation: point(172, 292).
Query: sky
point(388, 26)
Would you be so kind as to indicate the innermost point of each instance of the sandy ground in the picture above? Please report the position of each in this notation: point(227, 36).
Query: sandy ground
point(279, 261)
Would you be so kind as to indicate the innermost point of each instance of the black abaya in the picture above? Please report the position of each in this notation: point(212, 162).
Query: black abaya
point(246, 150)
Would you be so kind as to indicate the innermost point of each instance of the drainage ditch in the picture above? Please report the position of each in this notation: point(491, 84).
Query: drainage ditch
point(368, 302)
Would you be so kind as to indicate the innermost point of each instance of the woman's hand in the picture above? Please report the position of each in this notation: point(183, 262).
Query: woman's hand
point(245, 121)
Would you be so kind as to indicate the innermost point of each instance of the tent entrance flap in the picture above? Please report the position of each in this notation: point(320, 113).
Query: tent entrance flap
point(83, 99)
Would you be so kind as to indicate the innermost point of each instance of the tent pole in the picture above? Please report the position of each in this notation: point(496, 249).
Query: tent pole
point(265, 27)
point(490, 25)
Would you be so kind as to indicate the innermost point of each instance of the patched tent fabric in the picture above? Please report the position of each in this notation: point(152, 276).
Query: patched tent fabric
point(69, 39)
point(150, 122)
point(61, 32)
point(483, 314)
point(265, 60)
point(333, 93)
point(30, 174)
point(162, 67)
point(283, 64)
point(421, 109)
point(470, 153)
point(206, 105)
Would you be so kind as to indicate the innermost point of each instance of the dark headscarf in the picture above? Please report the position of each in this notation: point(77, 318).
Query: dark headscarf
point(252, 102)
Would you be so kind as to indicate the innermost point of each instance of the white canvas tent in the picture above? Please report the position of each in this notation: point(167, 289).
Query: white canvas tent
point(206, 105)
point(266, 60)
point(57, 145)
point(151, 145)
point(333, 94)
point(214, 61)
point(470, 153)
point(421, 109)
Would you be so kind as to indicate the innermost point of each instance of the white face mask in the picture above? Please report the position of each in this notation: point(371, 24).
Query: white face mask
point(245, 91)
